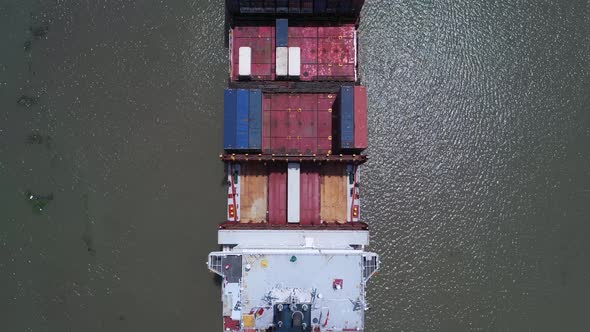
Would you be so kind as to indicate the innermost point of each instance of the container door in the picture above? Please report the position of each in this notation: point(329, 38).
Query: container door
point(333, 193)
point(310, 194)
point(254, 193)
point(277, 195)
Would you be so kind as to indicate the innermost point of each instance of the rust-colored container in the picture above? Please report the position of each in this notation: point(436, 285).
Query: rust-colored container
point(310, 194)
point(360, 118)
point(277, 195)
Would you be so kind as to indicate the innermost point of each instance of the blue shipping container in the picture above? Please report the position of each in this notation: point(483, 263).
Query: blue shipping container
point(255, 120)
point(347, 117)
point(242, 119)
point(319, 6)
point(282, 32)
point(229, 118)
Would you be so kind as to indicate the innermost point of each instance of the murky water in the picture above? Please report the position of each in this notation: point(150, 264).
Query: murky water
point(477, 191)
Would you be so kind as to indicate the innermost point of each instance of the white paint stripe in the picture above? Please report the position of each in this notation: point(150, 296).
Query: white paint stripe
point(294, 61)
point(245, 61)
point(282, 61)
point(293, 192)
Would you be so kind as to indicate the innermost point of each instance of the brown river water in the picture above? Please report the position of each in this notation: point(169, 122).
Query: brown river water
point(477, 190)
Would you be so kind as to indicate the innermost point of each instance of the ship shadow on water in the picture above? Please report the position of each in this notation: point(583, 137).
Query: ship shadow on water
point(217, 280)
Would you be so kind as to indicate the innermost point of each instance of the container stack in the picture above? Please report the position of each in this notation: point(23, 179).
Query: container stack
point(242, 120)
point(316, 8)
point(295, 129)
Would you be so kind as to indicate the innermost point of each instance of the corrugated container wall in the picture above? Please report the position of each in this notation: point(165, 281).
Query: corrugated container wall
point(310, 194)
point(346, 114)
point(229, 119)
point(277, 195)
point(242, 119)
point(282, 32)
point(360, 118)
point(255, 120)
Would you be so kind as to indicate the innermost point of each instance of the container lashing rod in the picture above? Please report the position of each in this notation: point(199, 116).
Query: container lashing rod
point(233, 192)
point(353, 196)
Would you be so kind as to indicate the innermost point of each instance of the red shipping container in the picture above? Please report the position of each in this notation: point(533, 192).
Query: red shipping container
point(336, 51)
point(326, 102)
point(266, 31)
point(346, 31)
point(330, 50)
point(301, 32)
point(293, 123)
point(310, 195)
point(336, 72)
point(266, 144)
point(266, 102)
point(293, 145)
point(294, 102)
point(324, 145)
point(279, 123)
point(279, 102)
point(308, 124)
point(266, 126)
point(309, 72)
point(360, 118)
point(242, 32)
point(348, 51)
point(309, 49)
point(324, 71)
point(261, 50)
point(262, 57)
point(344, 72)
point(279, 145)
point(277, 195)
point(308, 145)
point(309, 102)
point(261, 71)
point(253, 31)
point(324, 124)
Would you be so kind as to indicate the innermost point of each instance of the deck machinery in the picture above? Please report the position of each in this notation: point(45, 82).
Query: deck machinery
point(292, 252)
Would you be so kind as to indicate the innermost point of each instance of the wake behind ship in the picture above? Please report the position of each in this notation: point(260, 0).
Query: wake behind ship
point(295, 125)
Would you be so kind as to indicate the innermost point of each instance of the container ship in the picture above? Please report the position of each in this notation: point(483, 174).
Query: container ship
point(292, 248)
